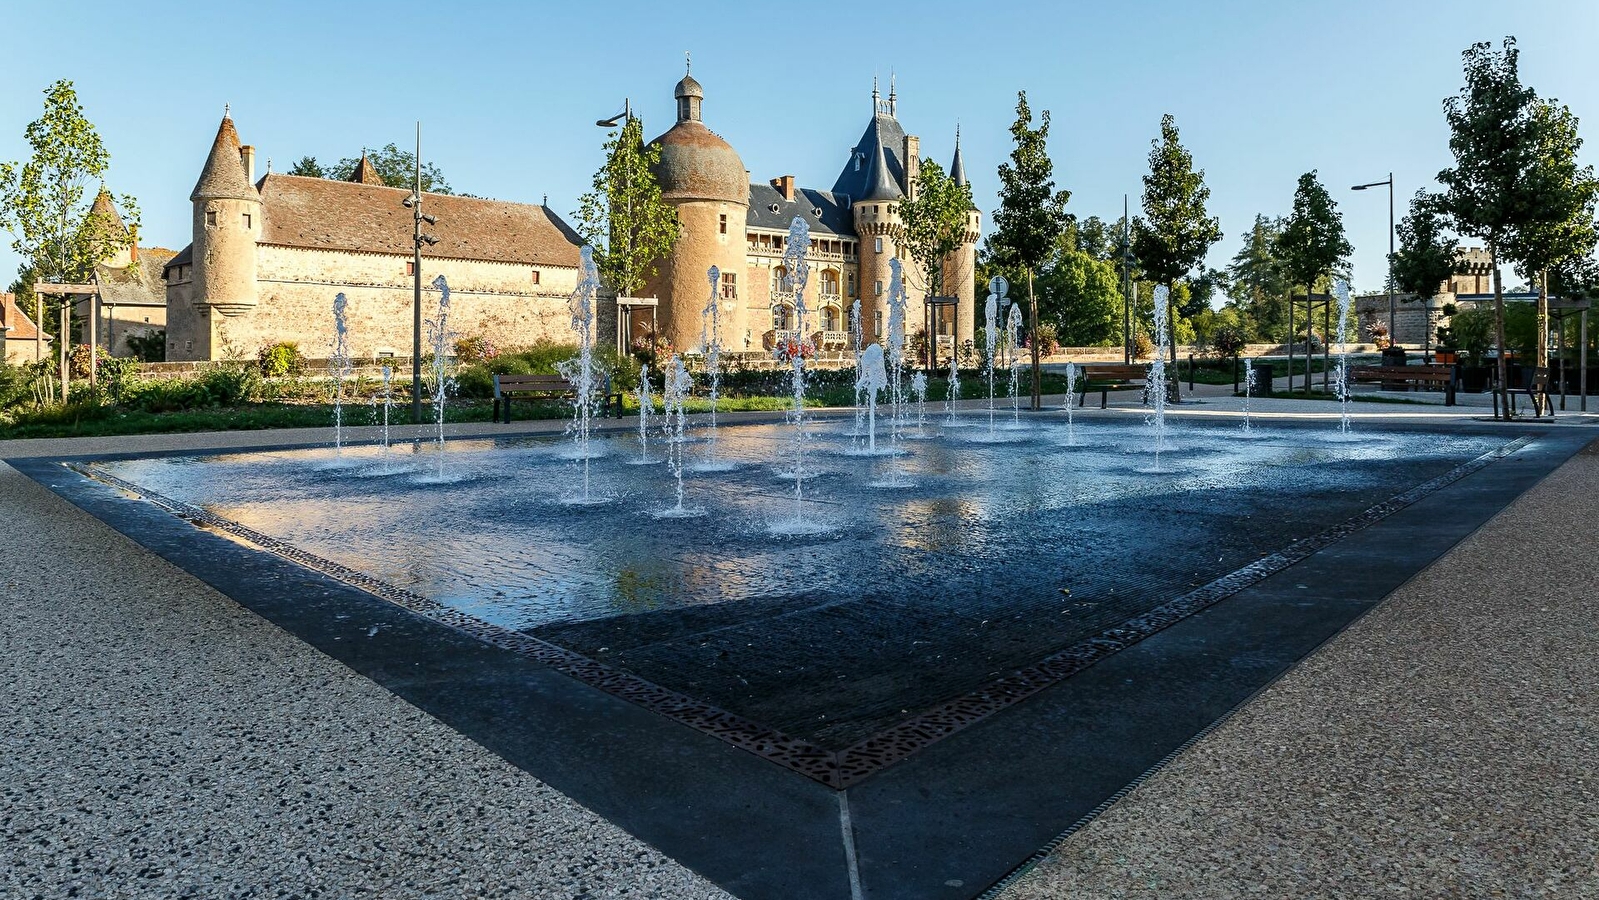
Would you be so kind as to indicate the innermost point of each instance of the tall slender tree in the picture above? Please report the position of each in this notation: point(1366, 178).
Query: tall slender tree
point(1493, 138)
point(1561, 200)
point(934, 220)
point(44, 202)
point(1175, 232)
point(1255, 281)
point(624, 218)
point(1427, 254)
point(1312, 245)
point(1031, 215)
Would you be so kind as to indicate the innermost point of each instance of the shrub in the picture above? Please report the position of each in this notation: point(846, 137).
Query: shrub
point(1048, 339)
point(473, 350)
point(280, 359)
point(150, 346)
point(1227, 341)
point(1143, 346)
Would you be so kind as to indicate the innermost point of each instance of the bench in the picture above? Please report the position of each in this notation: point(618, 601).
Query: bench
point(1538, 394)
point(1438, 378)
point(1105, 377)
point(537, 386)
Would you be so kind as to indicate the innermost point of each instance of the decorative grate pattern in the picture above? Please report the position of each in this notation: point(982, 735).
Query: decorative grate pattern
point(846, 767)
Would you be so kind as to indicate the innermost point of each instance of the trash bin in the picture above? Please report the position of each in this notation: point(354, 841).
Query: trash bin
point(1263, 378)
point(1393, 356)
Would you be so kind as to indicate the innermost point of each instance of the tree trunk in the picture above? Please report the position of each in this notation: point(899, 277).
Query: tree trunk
point(1540, 354)
point(1499, 332)
point(1290, 341)
point(66, 340)
point(1032, 303)
point(1173, 383)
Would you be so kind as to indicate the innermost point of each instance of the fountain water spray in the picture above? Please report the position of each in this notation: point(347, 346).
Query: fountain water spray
point(710, 321)
point(794, 350)
point(439, 339)
point(855, 334)
point(996, 292)
point(388, 404)
point(896, 341)
point(1013, 339)
point(1157, 372)
point(580, 371)
point(339, 367)
point(1071, 390)
point(873, 378)
point(644, 403)
point(919, 392)
point(1341, 373)
point(678, 384)
point(1249, 388)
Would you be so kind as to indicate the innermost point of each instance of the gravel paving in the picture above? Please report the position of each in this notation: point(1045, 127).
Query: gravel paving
point(1443, 746)
point(157, 740)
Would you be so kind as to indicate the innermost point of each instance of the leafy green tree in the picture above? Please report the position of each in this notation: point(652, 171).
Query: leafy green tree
point(1031, 215)
point(1493, 135)
point(935, 221)
point(1562, 197)
point(397, 168)
point(45, 205)
point(1312, 244)
point(308, 167)
point(624, 218)
point(1080, 295)
point(1256, 284)
point(1427, 253)
point(1175, 232)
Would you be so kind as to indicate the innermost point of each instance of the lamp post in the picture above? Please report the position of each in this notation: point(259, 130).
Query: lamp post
point(414, 204)
point(1393, 333)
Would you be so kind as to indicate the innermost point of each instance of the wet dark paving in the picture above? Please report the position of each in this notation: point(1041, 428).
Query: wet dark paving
point(992, 556)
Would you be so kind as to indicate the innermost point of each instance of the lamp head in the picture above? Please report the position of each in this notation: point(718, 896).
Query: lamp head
point(409, 201)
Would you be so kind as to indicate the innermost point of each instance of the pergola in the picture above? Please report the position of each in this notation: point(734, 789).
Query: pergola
point(67, 291)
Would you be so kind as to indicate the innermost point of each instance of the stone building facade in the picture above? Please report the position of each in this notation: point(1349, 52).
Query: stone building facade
point(742, 228)
point(1416, 320)
point(269, 255)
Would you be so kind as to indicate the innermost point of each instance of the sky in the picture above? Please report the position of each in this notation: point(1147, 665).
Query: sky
point(507, 92)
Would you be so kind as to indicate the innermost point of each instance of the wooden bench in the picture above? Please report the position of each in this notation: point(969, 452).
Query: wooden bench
point(1436, 378)
point(1106, 377)
point(536, 386)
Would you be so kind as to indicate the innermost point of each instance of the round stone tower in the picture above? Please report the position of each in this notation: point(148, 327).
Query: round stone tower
point(703, 178)
point(227, 223)
point(879, 228)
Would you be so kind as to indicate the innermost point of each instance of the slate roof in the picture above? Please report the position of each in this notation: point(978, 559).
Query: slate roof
point(322, 214)
point(835, 218)
point(21, 326)
point(185, 257)
point(141, 286)
point(883, 131)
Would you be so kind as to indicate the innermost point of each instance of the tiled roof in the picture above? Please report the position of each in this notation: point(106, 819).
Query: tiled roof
point(22, 328)
point(322, 214)
point(223, 176)
point(835, 217)
point(141, 287)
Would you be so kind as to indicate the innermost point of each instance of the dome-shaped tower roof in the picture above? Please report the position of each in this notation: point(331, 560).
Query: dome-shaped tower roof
point(696, 164)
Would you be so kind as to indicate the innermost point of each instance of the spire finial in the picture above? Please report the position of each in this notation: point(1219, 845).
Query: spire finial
point(227, 110)
point(688, 62)
point(957, 134)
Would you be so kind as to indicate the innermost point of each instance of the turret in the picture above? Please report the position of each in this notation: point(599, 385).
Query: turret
point(103, 213)
point(879, 228)
point(961, 266)
point(227, 224)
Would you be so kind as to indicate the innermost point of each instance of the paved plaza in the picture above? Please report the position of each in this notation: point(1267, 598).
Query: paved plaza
point(161, 740)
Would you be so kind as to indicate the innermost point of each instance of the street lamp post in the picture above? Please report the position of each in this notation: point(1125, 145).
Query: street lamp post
point(1393, 332)
point(414, 203)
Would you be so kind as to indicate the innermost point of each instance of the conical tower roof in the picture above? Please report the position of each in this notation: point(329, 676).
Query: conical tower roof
point(880, 183)
point(223, 177)
point(104, 209)
point(365, 172)
point(957, 169)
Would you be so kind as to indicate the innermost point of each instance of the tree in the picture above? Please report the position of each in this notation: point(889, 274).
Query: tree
point(1256, 283)
point(1175, 233)
point(1031, 214)
point(44, 201)
point(308, 167)
point(1561, 197)
point(935, 221)
point(1492, 136)
point(1312, 245)
point(1081, 296)
point(624, 218)
point(396, 167)
point(1426, 256)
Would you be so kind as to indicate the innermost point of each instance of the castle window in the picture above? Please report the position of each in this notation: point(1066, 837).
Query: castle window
point(778, 274)
point(879, 287)
point(877, 244)
point(535, 276)
point(851, 282)
point(879, 323)
point(782, 317)
point(722, 224)
point(247, 221)
point(829, 282)
point(211, 218)
point(729, 286)
point(410, 268)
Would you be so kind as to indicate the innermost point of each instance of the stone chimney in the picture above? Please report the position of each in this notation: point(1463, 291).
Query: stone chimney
point(133, 244)
point(913, 163)
point(247, 157)
point(785, 186)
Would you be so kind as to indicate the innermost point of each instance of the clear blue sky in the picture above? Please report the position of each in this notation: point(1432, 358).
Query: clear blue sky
point(1263, 90)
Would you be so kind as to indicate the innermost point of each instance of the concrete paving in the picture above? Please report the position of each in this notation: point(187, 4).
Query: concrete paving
point(1443, 746)
point(156, 740)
